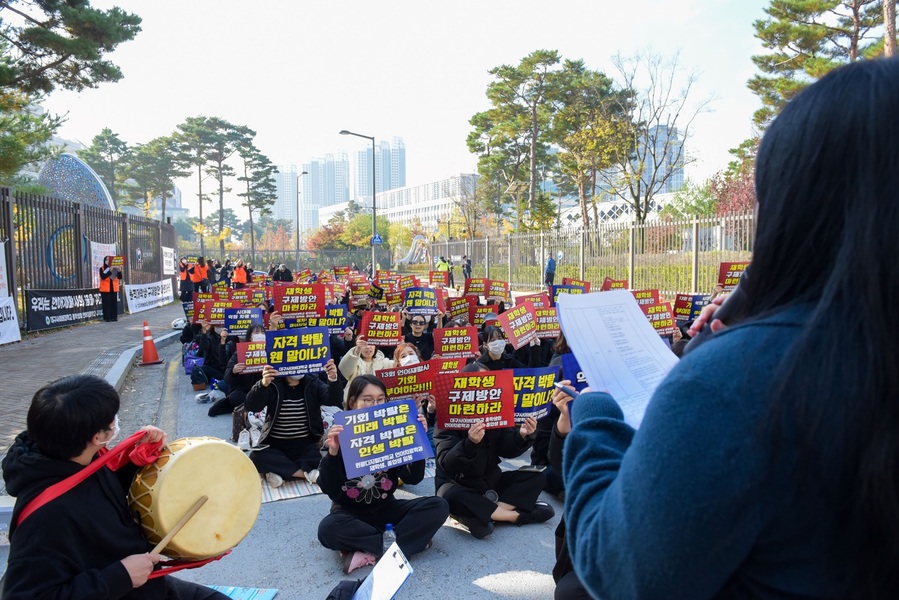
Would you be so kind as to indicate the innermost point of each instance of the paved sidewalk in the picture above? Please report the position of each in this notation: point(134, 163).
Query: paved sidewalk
point(90, 348)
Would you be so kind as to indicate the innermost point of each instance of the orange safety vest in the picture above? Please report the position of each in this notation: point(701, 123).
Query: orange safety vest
point(105, 283)
point(240, 275)
point(183, 271)
point(199, 273)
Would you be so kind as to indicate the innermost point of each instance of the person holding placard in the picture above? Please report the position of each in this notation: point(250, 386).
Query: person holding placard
point(109, 290)
point(363, 506)
point(239, 383)
point(419, 336)
point(478, 491)
point(293, 426)
point(495, 357)
point(364, 359)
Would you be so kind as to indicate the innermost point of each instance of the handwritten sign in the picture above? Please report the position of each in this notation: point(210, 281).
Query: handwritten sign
point(661, 317)
point(382, 329)
point(456, 342)
point(519, 324)
point(300, 300)
point(421, 301)
point(547, 322)
point(252, 355)
point(464, 399)
point(729, 274)
point(533, 391)
point(408, 382)
point(239, 320)
point(381, 437)
point(298, 351)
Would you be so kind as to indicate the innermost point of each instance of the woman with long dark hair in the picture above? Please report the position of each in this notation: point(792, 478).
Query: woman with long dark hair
point(766, 463)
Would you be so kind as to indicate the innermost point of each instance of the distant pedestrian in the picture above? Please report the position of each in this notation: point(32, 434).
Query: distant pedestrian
point(466, 267)
point(549, 273)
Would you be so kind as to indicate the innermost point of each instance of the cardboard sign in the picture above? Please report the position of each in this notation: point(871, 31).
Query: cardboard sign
point(540, 300)
point(572, 371)
point(300, 301)
point(252, 355)
point(464, 399)
point(661, 317)
point(578, 282)
point(729, 274)
point(646, 296)
point(456, 342)
point(457, 307)
point(408, 382)
point(435, 277)
point(475, 286)
point(298, 351)
point(555, 290)
point(239, 320)
point(687, 307)
point(421, 301)
point(498, 290)
point(477, 313)
point(408, 281)
point(382, 328)
point(533, 392)
point(519, 324)
point(116, 262)
point(613, 284)
point(547, 323)
point(381, 437)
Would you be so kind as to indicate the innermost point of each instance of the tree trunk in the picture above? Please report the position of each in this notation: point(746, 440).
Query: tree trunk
point(532, 193)
point(889, 33)
point(582, 198)
point(202, 237)
point(164, 195)
point(221, 178)
point(252, 238)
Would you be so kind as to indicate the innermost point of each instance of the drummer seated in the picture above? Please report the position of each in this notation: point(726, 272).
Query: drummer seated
point(293, 427)
point(84, 543)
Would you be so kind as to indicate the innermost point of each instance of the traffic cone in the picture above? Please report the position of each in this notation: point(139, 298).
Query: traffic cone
point(150, 356)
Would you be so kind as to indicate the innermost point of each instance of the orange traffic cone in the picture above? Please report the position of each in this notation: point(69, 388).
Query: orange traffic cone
point(150, 356)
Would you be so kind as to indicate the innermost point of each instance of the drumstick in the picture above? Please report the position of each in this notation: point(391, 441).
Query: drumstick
point(179, 525)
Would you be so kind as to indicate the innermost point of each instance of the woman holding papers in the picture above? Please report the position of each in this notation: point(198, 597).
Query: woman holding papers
point(765, 465)
point(362, 507)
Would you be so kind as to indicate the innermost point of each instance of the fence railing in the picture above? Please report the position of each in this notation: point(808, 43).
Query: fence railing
point(49, 243)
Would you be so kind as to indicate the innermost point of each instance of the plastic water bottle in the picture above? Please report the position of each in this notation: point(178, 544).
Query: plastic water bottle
point(389, 537)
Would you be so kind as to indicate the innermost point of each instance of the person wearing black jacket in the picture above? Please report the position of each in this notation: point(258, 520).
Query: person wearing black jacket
point(293, 425)
point(282, 274)
point(238, 382)
point(84, 543)
point(495, 357)
point(215, 350)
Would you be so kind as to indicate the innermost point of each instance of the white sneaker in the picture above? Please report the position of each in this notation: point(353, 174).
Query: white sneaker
point(312, 476)
point(243, 440)
point(274, 480)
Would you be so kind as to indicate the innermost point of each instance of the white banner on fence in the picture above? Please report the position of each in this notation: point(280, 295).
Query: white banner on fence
point(98, 252)
point(168, 261)
point(4, 281)
point(145, 296)
point(9, 321)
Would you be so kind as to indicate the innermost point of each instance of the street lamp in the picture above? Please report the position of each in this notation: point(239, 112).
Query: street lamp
point(374, 224)
point(299, 177)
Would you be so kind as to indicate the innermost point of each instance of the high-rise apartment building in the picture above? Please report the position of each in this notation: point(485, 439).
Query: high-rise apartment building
point(286, 184)
point(325, 184)
point(390, 167)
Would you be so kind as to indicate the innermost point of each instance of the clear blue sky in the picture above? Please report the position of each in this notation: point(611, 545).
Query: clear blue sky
point(299, 71)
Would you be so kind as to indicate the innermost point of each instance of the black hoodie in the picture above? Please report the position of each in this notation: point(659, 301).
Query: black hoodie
point(71, 547)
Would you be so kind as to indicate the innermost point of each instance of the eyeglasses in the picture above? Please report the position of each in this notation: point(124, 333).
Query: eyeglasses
point(418, 322)
point(369, 400)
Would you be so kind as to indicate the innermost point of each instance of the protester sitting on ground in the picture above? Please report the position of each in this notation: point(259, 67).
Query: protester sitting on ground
point(238, 382)
point(363, 506)
point(540, 452)
point(84, 543)
point(764, 464)
point(494, 356)
point(407, 355)
point(363, 359)
point(216, 351)
point(418, 336)
point(469, 476)
point(293, 426)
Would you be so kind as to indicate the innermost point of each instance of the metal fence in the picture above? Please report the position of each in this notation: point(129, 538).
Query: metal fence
point(308, 259)
point(49, 243)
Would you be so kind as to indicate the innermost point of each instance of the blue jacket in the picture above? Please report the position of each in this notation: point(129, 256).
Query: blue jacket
point(550, 265)
point(702, 501)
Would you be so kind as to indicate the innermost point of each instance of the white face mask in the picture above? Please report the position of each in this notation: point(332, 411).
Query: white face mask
point(115, 431)
point(258, 337)
point(408, 360)
point(496, 347)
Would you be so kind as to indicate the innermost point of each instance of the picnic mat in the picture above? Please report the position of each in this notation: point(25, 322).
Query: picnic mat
point(296, 488)
point(239, 593)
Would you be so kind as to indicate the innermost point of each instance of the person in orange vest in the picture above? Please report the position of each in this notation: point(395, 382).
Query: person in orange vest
point(241, 276)
point(199, 275)
point(186, 285)
point(109, 290)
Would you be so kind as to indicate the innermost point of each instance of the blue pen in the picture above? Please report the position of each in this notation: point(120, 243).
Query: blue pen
point(567, 390)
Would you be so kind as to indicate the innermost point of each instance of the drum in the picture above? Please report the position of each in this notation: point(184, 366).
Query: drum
point(163, 492)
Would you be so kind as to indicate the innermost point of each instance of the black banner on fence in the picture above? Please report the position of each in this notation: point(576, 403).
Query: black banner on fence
point(47, 309)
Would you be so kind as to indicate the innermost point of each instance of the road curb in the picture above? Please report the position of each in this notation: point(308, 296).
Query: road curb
point(117, 373)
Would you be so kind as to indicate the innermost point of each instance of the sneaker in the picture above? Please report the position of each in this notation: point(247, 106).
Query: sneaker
point(478, 529)
point(541, 513)
point(274, 480)
point(221, 407)
point(203, 398)
point(358, 560)
point(243, 440)
point(312, 476)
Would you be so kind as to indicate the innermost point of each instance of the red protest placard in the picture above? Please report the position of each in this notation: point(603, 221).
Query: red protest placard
point(216, 310)
point(540, 300)
point(303, 276)
point(613, 284)
point(201, 310)
point(252, 355)
point(382, 274)
point(456, 342)
point(547, 322)
point(476, 286)
point(116, 262)
point(435, 277)
point(393, 298)
point(464, 399)
point(688, 306)
point(243, 296)
point(341, 273)
point(477, 314)
point(382, 329)
point(407, 281)
point(457, 307)
point(729, 274)
point(449, 365)
point(442, 297)
point(661, 317)
point(580, 282)
point(408, 382)
point(646, 296)
point(359, 293)
point(498, 290)
point(519, 324)
point(300, 301)
point(324, 277)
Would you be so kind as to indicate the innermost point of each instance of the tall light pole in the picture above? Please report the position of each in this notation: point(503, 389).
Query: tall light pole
point(299, 178)
point(374, 223)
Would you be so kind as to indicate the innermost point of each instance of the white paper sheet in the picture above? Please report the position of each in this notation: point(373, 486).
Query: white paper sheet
point(385, 580)
point(617, 347)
